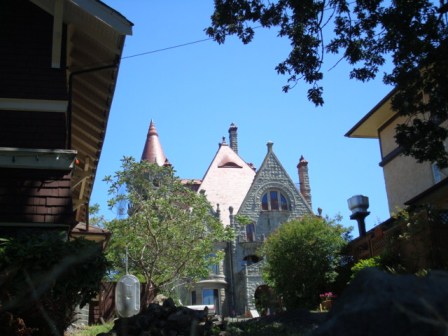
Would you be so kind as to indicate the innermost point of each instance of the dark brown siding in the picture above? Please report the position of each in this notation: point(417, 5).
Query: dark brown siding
point(35, 196)
point(32, 129)
point(26, 33)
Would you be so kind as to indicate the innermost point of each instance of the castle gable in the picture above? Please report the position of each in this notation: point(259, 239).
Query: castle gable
point(272, 198)
point(227, 181)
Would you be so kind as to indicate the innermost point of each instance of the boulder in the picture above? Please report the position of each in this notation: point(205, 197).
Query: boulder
point(380, 303)
point(162, 319)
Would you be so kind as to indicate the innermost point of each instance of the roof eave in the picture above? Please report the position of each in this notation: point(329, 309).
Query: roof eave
point(368, 126)
point(106, 14)
point(97, 9)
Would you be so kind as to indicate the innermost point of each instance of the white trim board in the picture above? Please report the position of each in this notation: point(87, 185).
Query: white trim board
point(25, 158)
point(38, 105)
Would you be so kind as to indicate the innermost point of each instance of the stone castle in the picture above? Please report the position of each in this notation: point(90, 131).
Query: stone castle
point(264, 197)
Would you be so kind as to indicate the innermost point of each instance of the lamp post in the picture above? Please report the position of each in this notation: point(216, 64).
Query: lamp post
point(358, 205)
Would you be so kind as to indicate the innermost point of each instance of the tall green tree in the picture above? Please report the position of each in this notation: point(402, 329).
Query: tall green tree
point(170, 231)
point(412, 33)
point(301, 259)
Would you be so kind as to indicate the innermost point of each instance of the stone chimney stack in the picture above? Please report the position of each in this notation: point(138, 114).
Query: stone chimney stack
point(233, 137)
point(304, 180)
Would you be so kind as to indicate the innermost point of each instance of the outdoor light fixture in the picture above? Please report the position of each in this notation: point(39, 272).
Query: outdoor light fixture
point(358, 205)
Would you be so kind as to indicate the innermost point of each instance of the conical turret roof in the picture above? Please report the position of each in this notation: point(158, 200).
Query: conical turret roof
point(153, 151)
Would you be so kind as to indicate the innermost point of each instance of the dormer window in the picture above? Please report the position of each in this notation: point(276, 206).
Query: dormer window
point(274, 200)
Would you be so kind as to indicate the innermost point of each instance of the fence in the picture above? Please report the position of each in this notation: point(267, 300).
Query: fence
point(103, 307)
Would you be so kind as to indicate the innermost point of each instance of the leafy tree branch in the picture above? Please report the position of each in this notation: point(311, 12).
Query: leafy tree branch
point(413, 34)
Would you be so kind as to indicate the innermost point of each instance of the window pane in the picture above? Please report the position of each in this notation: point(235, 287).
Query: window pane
point(250, 232)
point(214, 269)
point(264, 202)
point(274, 200)
point(283, 202)
point(193, 297)
point(208, 297)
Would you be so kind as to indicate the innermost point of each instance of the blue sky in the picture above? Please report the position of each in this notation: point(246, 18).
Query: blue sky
point(193, 93)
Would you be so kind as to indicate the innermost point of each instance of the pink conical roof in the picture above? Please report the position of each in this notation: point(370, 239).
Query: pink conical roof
point(153, 151)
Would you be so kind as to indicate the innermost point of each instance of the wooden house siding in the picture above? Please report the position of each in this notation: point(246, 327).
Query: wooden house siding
point(34, 196)
point(26, 38)
point(35, 102)
point(29, 129)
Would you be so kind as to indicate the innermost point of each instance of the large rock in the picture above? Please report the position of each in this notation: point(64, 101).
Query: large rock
point(162, 319)
point(379, 303)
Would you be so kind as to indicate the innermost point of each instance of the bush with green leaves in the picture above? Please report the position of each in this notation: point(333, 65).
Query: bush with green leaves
point(365, 263)
point(301, 259)
point(43, 279)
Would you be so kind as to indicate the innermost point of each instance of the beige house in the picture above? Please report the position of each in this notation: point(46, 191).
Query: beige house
point(407, 181)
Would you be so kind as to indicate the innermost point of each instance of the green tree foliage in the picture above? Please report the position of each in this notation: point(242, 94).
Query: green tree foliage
point(365, 263)
point(301, 259)
point(44, 278)
point(170, 231)
point(413, 34)
point(95, 218)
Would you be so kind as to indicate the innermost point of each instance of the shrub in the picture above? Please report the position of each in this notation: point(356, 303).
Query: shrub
point(44, 278)
point(364, 263)
point(301, 259)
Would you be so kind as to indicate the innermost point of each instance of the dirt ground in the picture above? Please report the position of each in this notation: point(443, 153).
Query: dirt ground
point(297, 322)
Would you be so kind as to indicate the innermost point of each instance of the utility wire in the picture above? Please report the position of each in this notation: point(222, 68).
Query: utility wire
point(167, 48)
point(174, 47)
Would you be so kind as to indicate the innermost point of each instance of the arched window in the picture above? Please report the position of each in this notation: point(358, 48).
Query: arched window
point(274, 200)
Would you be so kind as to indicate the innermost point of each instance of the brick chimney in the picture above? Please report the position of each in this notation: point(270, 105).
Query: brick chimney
point(233, 137)
point(304, 180)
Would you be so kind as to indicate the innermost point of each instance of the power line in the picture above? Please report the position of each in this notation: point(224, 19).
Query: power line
point(174, 47)
point(168, 48)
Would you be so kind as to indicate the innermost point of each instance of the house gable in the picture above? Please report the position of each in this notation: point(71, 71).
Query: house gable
point(272, 200)
point(226, 181)
point(271, 177)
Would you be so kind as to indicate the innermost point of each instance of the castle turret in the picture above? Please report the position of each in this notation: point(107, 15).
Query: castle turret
point(304, 180)
point(153, 151)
